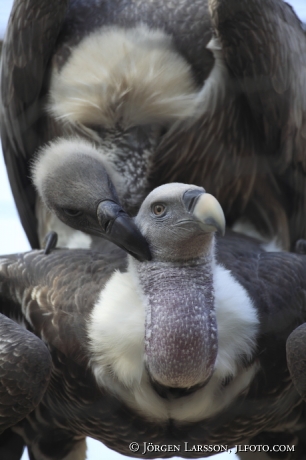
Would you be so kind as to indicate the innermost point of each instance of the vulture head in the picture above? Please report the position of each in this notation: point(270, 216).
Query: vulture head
point(179, 222)
point(181, 338)
point(77, 186)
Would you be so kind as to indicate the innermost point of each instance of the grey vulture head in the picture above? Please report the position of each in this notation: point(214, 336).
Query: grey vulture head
point(144, 80)
point(76, 184)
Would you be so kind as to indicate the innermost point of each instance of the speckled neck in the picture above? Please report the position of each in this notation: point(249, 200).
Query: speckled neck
point(129, 152)
point(181, 329)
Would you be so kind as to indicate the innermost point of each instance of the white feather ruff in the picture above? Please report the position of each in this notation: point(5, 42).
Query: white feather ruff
point(127, 76)
point(116, 332)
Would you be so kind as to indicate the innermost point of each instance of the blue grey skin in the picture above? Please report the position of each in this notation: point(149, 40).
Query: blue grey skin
point(181, 329)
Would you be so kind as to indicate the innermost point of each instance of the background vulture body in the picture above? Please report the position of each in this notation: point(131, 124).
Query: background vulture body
point(111, 389)
point(136, 78)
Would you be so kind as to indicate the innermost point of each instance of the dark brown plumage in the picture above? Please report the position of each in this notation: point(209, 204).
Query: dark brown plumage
point(28, 361)
point(296, 357)
point(250, 150)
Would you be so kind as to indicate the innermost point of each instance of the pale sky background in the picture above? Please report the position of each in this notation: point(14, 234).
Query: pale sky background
point(13, 239)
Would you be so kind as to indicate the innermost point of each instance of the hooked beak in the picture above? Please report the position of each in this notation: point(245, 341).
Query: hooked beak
point(206, 209)
point(119, 228)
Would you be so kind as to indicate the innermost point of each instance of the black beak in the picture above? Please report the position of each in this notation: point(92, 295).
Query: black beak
point(119, 228)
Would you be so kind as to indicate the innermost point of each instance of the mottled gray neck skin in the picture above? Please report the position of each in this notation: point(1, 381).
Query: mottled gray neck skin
point(180, 331)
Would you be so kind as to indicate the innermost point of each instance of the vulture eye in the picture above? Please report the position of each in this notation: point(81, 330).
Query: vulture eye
point(159, 209)
point(72, 212)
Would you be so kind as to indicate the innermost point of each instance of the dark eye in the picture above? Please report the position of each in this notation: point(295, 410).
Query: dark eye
point(159, 209)
point(72, 212)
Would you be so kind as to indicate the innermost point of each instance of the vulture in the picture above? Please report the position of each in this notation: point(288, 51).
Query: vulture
point(76, 184)
point(190, 351)
point(210, 92)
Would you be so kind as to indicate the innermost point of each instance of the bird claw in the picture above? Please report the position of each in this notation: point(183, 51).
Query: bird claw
point(50, 242)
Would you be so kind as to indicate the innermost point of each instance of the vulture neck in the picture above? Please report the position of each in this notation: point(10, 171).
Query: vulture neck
point(180, 325)
point(128, 155)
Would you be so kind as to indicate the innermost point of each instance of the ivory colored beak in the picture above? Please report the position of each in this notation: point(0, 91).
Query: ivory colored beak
point(209, 212)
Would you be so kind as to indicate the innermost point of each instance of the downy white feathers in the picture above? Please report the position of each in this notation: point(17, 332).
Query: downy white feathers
point(131, 77)
point(118, 364)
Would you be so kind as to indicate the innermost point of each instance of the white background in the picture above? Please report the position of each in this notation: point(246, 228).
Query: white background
point(12, 237)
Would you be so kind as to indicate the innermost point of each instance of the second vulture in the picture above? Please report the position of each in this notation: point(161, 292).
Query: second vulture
point(145, 79)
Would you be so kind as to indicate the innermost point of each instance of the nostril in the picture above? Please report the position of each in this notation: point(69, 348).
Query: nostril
point(107, 225)
point(191, 197)
point(191, 204)
point(107, 212)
